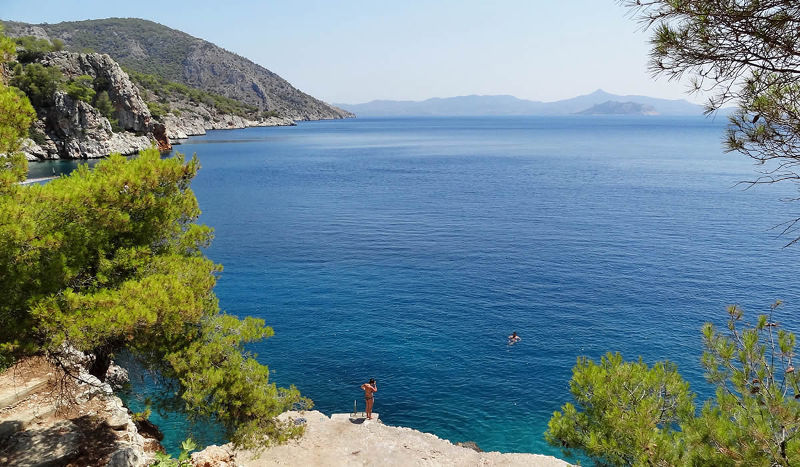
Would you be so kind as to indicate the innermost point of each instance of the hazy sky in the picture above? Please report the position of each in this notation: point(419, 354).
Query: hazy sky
point(353, 51)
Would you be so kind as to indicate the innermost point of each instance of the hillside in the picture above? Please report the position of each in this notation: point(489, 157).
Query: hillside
point(510, 105)
point(153, 49)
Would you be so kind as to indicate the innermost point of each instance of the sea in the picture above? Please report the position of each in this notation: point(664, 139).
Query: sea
point(408, 249)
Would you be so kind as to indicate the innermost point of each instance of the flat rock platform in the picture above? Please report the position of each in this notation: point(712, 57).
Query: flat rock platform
point(347, 440)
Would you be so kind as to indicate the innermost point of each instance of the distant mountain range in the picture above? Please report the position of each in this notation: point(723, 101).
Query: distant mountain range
point(596, 103)
point(151, 48)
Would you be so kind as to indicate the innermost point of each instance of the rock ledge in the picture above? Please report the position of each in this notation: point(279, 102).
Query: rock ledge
point(338, 441)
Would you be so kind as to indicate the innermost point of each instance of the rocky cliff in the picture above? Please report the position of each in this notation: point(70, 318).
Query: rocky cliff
point(59, 414)
point(148, 47)
point(69, 128)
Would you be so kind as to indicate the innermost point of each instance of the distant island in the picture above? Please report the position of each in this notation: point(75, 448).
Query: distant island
point(596, 103)
point(619, 108)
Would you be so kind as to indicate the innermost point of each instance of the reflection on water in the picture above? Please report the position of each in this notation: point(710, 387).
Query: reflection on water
point(55, 168)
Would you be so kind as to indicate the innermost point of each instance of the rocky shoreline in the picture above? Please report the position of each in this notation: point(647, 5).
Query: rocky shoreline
point(180, 128)
point(69, 128)
point(53, 412)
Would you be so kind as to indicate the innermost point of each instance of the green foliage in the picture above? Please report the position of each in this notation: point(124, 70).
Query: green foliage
point(756, 417)
point(165, 90)
point(162, 53)
point(211, 370)
point(638, 416)
point(16, 116)
point(630, 411)
point(157, 110)
point(34, 48)
point(37, 136)
point(165, 460)
point(8, 48)
point(103, 103)
point(81, 88)
point(39, 83)
point(110, 259)
point(187, 446)
point(166, 48)
point(144, 414)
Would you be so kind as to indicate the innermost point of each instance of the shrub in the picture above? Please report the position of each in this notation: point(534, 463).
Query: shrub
point(39, 83)
point(103, 103)
point(34, 48)
point(81, 88)
point(37, 136)
point(157, 110)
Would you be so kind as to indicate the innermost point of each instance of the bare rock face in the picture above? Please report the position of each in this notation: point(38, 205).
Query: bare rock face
point(73, 129)
point(80, 131)
point(126, 457)
point(116, 376)
point(215, 456)
point(129, 109)
point(203, 118)
point(56, 444)
point(53, 419)
point(470, 445)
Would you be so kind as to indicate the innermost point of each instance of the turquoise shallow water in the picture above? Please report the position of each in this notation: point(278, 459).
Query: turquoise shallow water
point(408, 249)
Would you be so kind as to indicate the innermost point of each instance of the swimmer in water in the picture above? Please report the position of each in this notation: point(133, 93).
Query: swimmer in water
point(513, 338)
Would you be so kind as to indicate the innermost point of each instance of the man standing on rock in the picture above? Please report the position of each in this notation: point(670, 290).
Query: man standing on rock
point(369, 390)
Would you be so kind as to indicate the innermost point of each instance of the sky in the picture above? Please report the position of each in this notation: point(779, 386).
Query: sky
point(354, 51)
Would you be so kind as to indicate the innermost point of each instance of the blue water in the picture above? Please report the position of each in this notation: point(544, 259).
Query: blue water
point(408, 249)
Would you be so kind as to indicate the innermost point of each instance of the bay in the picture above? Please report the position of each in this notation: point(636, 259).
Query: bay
point(408, 249)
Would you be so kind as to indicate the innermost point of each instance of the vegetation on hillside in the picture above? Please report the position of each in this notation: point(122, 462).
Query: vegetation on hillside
point(154, 49)
point(40, 83)
point(34, 48)
point(159, 69)
point(110, 260)
point(748, 53)
point(164, 91)
point(166, 48)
